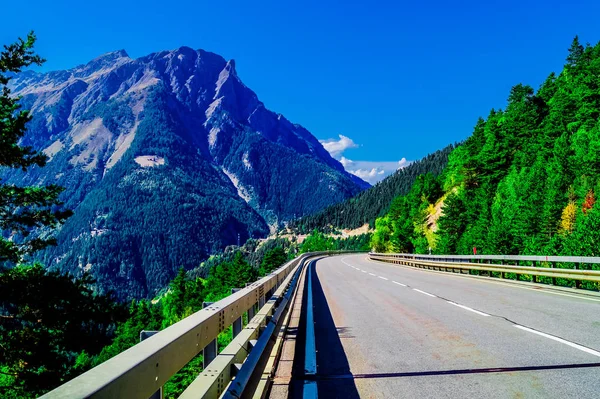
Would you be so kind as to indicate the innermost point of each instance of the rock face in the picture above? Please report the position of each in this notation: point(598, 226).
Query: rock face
point(166, 159)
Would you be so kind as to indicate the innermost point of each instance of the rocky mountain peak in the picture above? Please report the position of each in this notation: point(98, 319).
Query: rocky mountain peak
point(168, 157)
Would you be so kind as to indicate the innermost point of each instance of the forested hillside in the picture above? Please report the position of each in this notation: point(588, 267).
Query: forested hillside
point(374, 202)
point(525, 181)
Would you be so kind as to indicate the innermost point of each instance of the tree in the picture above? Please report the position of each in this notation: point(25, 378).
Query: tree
point(242, 272)
point(22, 209)
point(176, 299)
point(315, 242)
point(575, 52)
point(46, 319)
point(272, 260)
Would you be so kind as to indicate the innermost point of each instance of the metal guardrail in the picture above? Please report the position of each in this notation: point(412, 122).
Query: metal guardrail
point(546, 265)
point(143, 369)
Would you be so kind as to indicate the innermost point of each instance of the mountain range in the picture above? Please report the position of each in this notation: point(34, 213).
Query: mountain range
point(166, 159)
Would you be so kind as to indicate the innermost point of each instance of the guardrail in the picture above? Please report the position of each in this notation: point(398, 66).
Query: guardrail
point(573, 269)
point(141, 371)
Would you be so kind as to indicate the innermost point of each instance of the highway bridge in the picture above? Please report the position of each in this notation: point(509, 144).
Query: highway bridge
point(382, 326)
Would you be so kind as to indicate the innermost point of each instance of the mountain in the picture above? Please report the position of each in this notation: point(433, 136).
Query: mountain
point(166, 159)
point(374, 202)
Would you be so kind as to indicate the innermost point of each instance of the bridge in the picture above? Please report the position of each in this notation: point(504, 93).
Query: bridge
point(353, 325)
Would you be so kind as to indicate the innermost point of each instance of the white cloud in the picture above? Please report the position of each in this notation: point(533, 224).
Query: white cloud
point(370, 171)
point(337, 147)
point(373, 171)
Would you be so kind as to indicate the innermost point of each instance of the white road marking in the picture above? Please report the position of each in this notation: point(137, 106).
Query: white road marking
point(552, 337)
point(395, 282)
point(372, 274)
point(467, 308)
point(507, 284)
point(345, 263)
point(364, 271)
point(423, 292)
point(383, 278)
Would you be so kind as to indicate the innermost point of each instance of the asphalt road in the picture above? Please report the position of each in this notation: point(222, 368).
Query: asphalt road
point(387, 331)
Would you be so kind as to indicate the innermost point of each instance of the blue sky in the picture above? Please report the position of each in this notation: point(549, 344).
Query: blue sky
point(378, 81)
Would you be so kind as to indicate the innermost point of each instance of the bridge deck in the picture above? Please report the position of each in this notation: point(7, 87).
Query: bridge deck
point(386, 331)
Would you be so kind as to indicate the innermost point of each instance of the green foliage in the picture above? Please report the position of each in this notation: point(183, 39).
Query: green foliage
point(317, 241)
point(374, 202)
point(227, 275)
point(272, 260)
point(22, 209)
point(46, 320)
point(524, 182)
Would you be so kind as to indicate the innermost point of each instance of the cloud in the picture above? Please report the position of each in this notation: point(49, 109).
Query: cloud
point(337, 147)
point(373, 171)
point(370, 171)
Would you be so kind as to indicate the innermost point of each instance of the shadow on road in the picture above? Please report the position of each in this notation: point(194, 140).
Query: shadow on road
point(331, 358)
point(493, 370)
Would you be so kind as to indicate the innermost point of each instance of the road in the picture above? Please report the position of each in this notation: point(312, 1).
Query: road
point(388, 331)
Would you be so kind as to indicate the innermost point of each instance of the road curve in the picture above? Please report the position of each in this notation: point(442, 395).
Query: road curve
point(387, 331)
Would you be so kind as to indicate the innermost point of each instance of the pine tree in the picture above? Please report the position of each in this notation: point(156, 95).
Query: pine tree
point(46, 318)
point(575, 52)
point(22, 209)
point(272, 260)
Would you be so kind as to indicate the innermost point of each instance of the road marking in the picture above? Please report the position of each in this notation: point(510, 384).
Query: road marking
point(467, 308)
point(506, 284)
point(423, 292)
point(372, 274)
point(364, 271)
point(395, 282)
point(552, 337)
point(345, 263)
point(383, 278)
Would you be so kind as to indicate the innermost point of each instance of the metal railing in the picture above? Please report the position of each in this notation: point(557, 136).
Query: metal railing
point(574, 269)
point(140, 371)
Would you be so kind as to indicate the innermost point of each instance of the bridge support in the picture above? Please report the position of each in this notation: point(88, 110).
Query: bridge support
point(145, 334)
point(251, 312)
point(210, 351)
point(236, 327)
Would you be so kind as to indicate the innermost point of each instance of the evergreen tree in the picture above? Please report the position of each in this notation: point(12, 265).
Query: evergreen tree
point(272, 260)
point(22, 209)
point(46, 319)
point(575, 52)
